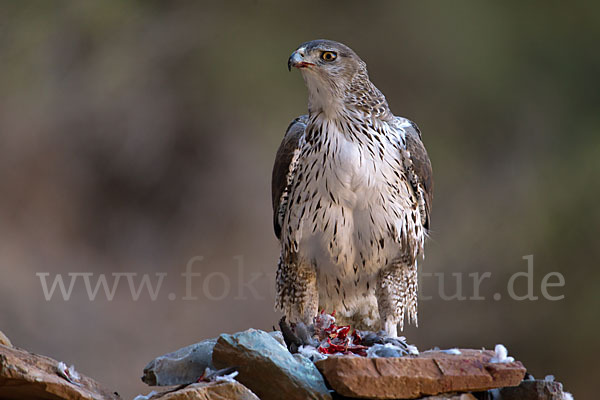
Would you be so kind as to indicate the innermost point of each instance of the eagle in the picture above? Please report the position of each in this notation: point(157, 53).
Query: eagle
point(352, 190)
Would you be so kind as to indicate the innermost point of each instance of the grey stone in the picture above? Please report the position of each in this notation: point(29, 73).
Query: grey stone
point(530, 390)
point(185, 365)
point(267, 368)
point(180, 367)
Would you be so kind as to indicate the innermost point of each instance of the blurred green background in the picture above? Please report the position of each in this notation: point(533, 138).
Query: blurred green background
point(136, 135)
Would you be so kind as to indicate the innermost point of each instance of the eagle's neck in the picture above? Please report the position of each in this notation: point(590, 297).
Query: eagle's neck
point(334, 102)
point(324, 96)
point(364, 97)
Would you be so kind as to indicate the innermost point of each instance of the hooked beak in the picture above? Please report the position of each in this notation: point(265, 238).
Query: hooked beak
point(297, 60)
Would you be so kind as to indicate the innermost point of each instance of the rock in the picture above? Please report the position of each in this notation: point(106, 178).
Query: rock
point(430, 373)
point(451, 396)
point(209, 391)
point(180, 367)
point(25, 375)
point(4, 340)
point(185, 365)
point(445, 396)
point(268, 368)
point(277, 335)
point(530, 390)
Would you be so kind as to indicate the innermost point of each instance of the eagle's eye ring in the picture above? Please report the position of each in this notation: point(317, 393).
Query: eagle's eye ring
point(328, 56)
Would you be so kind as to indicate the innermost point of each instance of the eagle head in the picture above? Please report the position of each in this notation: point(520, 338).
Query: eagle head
point(329, 69)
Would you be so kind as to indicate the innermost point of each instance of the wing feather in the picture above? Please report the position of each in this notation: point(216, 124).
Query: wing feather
point(284, 170)
point(421, 169)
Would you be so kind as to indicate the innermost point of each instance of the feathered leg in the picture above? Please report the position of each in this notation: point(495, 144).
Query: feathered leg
point(396, 295)
point(297, 293)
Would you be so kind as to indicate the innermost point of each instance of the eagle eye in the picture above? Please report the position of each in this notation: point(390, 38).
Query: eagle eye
point(328, 56)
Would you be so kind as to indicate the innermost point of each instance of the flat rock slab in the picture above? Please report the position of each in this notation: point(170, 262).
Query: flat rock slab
point(430, 373)
point(209, 391)
point(24, 375)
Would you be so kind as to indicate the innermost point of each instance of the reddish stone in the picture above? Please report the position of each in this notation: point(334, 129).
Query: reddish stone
point(4, 340)
point(24, 375)
point(430, 373)
point(209, 391)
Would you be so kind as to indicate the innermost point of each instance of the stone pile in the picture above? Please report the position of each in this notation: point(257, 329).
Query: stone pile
point(268, 369)
point(254, 364)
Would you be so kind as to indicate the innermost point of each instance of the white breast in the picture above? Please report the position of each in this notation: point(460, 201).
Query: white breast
point(349, 210)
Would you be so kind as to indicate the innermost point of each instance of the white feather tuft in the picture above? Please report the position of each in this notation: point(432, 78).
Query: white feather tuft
point(501, 355)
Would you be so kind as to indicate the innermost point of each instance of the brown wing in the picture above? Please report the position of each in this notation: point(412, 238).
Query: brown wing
point(421, 166)
point(283, 170)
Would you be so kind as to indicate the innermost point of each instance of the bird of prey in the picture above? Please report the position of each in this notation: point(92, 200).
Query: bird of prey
point(352, 192)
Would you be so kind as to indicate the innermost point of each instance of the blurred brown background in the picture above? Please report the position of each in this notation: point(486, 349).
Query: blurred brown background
point(136, 135)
